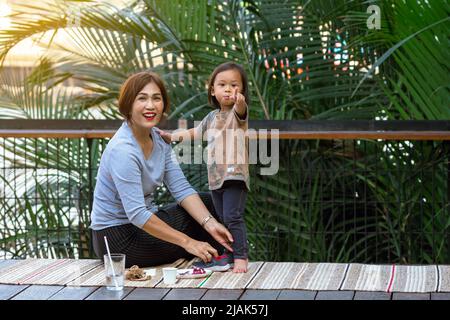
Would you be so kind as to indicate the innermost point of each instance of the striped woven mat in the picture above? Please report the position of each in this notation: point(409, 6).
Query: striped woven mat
point(46, 271)
point(261, 275)
point(218, 280)
point(96, 277)
point(305, 276)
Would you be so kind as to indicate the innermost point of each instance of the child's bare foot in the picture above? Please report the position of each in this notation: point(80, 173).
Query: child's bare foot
point(240, 265)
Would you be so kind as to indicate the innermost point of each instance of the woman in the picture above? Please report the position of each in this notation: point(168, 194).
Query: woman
point(135, 162)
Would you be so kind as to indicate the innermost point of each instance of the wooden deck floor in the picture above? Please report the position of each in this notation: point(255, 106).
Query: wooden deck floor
point(40, 292)
point(56, 292)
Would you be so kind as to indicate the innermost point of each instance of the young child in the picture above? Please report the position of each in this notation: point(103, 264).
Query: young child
point(228, 174)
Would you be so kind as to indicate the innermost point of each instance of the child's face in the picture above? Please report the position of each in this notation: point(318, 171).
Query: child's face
point(148, 106)
point(225, 85)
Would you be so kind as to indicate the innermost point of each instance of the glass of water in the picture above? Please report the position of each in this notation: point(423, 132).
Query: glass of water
point(114, 273)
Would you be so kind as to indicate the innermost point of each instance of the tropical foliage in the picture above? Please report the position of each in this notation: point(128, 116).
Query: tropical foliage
point(305, 59)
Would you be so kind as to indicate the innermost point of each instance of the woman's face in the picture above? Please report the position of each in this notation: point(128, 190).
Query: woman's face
point(148, 107)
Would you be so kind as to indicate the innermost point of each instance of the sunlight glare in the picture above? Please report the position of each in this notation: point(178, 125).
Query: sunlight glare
point(5, 10)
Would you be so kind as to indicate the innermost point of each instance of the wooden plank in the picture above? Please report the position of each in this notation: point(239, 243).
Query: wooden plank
point(410, 296)
point(73, 293)
point(252, 294)
point(299, 135)
point(282, 125)
point(147, 294)
point(335, 295)
point(7, 291)
point(223, 294)
point(38, 292)
point(104, 294)
point(297, 295)
point(288, 129)
point(356, 135)
point(372, 295)
point(185, 294)
point(52, 133)
point(440, 296)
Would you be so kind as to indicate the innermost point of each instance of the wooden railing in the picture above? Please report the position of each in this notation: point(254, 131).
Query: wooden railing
point(288, 129)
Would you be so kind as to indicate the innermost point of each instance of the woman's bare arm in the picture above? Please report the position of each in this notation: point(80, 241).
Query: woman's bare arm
point(161, 230)
point(196, 208)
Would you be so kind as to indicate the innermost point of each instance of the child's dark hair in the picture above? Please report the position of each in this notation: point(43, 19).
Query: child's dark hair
point(224, 67)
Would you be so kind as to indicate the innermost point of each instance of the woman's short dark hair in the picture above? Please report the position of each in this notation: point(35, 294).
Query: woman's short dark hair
point(133, 85)
point(225, 67)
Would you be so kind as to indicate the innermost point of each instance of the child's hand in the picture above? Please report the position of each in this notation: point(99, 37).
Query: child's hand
point(167, 137)
point(239, 99)
point(239, 102)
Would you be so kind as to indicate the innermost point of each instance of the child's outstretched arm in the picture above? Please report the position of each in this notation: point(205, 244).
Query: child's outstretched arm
point(239, 104)
point(182, 135)
point(177, 136)
point(167, 137)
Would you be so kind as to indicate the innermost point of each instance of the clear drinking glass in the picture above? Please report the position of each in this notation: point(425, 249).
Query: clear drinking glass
point(115, 273)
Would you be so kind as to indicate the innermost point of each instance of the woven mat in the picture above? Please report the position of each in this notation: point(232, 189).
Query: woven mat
point(398, 278)
point(368, 277)
point(96, 277)
point(305, 276)
point(46, 271)
point(218, 280)
point(356, 277)
point(444, 279)
point(261, 275)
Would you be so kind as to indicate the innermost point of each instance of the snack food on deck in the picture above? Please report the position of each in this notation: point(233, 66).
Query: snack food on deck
point(193, 273)
point(136, 273)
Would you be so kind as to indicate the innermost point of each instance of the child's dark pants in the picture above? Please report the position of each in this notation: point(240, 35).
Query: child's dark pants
point(229, 203)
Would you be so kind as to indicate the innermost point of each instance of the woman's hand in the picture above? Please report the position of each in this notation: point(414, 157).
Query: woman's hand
point(200, 249)
point(196, 208)
point(219, 233)
point(167, 137)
